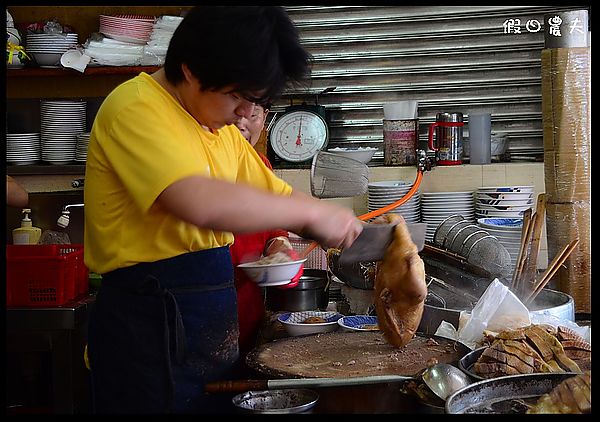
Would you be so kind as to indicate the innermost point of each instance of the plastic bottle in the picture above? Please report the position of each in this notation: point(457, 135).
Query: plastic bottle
point(27, 234)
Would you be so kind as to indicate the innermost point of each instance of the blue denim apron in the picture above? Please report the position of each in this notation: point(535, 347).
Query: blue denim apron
point(159, 331)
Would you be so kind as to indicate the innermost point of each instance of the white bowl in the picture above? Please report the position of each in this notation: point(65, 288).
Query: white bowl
point(363, 155)
point(271, 274)
point(295, 326)
point(359, 323)
point(47, 59)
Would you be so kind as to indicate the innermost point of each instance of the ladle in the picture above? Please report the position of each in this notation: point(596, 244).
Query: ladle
point(444, 379)
point(441, 378)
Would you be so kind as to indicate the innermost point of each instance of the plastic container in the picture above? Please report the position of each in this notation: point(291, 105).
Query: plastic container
point(27, 234)
point(44, 275)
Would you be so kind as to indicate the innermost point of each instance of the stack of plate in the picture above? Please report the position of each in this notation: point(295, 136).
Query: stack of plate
point(81, 147)
point(23, 149)
point(507, 231)
point(61, 122)
point(503, 201)
point(385, 193)
point(47, 49)
point(437, 206)
point(127, 28)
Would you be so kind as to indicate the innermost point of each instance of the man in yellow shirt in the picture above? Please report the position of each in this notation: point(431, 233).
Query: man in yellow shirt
point(168, 179)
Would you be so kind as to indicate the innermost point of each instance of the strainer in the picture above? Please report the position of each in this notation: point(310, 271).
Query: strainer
point(444, 227)
point(455, 242)
point(488, 253)
point(455, 229)
point(336, 176)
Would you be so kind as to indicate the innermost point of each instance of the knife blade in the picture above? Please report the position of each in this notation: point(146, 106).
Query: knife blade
point(373, 241)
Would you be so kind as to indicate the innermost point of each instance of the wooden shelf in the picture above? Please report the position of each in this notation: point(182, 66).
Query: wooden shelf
point(94, 70)
point(44, 169)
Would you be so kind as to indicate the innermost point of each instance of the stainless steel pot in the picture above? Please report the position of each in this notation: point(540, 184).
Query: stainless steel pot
point(551, 302)
point(311, 293)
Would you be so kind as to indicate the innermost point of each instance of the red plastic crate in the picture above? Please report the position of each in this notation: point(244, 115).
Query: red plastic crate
point(44, 275)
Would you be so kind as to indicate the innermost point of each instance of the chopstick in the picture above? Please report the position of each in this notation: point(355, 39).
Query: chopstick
point(530, 267)
point(525, 230)
point(556, 263)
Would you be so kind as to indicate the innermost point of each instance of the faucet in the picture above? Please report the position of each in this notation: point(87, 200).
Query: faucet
point(63, 220)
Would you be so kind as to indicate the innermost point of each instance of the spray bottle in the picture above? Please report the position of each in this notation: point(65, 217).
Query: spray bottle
point(27, 234)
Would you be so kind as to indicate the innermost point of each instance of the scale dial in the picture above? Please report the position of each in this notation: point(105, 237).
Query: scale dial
point(298, 135)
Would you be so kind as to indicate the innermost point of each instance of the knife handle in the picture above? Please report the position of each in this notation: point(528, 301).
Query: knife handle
point(235, 386)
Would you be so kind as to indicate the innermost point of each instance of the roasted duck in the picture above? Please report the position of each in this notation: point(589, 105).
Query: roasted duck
point(526, 350)
point(573, 395)
point(400, 287)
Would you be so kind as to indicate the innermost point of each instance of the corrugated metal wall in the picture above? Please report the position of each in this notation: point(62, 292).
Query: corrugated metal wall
point(449, 58)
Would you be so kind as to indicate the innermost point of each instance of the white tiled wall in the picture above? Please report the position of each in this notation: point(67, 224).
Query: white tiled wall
point(443, 178)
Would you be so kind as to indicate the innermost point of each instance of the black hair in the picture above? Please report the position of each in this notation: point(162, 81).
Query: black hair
point(251, 48)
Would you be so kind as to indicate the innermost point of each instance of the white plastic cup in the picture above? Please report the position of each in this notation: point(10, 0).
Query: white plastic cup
point(480, 138)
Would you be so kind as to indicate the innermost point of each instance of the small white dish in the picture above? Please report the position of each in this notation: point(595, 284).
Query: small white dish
point(295, 326)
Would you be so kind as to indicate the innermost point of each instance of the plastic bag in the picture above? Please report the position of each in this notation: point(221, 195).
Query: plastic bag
point(498, 309)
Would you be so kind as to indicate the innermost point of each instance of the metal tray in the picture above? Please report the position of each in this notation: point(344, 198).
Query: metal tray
point(466, 363)
point(512, 394)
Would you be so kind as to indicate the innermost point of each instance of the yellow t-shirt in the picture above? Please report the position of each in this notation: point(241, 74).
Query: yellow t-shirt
point(142, 141)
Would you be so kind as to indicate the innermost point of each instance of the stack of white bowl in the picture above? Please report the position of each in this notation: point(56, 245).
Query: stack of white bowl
point(23, 149)
point(47, 49)
point(507, 231)
point(437, 206)
point(385, 193)
point(503, 201)
point(61, 122)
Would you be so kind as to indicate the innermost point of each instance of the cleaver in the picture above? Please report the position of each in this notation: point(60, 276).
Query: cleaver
point(373, 241)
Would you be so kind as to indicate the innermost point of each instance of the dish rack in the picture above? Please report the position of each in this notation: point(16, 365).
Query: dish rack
point(316, 259)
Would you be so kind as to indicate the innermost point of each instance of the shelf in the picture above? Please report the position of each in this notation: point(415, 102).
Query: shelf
point(89, 71)
point(46, 169)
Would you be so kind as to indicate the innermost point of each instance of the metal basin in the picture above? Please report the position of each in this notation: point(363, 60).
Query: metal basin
point(437, 309)
point(295, 400)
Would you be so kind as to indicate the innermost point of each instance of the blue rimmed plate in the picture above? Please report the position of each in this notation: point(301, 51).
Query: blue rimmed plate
point(359, 323)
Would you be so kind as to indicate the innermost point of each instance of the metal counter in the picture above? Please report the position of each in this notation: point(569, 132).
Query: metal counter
point(62, 332)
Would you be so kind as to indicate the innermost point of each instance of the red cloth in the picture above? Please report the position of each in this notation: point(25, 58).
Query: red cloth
point(251, 305)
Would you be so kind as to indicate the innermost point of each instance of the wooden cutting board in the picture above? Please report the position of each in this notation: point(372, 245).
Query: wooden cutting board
point(343, 354)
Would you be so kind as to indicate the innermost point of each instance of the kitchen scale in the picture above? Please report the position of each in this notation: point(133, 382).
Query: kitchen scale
point(298, 134)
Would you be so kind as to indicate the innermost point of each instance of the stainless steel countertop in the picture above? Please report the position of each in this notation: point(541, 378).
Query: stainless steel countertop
point(65, 317)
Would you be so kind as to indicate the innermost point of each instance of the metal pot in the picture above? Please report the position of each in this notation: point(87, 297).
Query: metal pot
point(311, 293)
point(551, 302)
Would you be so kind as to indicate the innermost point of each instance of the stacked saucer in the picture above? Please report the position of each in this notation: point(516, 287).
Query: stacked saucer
point(81, 146)
point(47, 49)
point(385, 193)
point(503, 201)
point(133, 29)
point(23, 149)
point(61, 122)
point(437, 206)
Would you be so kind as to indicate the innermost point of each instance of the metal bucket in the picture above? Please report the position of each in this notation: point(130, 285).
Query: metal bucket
point(311, 293)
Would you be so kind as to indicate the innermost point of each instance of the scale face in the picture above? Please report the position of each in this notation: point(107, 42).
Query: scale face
point(298, 135)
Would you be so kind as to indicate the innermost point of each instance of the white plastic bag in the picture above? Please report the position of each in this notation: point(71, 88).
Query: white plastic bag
point(498, 309)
